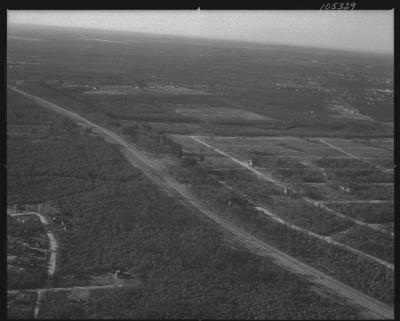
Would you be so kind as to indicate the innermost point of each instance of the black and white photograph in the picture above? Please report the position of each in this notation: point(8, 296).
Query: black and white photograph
point(200, 164)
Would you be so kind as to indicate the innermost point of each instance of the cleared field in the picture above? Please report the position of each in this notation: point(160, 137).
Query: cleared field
point(303, 147)
point(343, 111)
point(218, 161)
point(386, 163)
point(114, 90)
point(367, 212)
point(288, 159)
point(177, 128)
point(372, 152)
point(374, 243)
point(370, 191)
point(310, 217)
point(359, 149)
point(380, 144)
point(218, 113)
point(335, 179)
point(174, 90)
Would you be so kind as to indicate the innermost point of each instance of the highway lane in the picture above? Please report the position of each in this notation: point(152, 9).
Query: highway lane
point(375, 308)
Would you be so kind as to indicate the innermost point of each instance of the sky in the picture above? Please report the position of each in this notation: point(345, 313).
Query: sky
point(356, 30)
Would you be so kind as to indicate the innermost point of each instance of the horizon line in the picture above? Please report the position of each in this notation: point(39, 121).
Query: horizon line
point(254, 42)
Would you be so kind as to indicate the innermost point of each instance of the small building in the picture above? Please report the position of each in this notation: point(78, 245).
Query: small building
point(11, 258)
point(345, 188)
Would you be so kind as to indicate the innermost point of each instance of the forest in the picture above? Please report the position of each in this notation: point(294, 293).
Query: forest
point(187, 268)
point(361, 273)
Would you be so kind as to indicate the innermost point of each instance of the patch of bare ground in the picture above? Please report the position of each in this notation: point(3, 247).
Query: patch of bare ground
point(343, 110)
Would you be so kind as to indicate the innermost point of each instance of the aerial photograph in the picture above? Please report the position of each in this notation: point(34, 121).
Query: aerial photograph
point(200, 164)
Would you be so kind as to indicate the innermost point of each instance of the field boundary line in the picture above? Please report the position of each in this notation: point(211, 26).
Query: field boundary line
point(327, 239)
point(281, 185)
point(337, 148)
point(375, 307)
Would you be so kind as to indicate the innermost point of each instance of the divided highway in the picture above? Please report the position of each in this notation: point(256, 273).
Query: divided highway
point(375, 308)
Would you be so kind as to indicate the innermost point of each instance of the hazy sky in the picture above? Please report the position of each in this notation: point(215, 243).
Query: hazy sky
point(351, 30)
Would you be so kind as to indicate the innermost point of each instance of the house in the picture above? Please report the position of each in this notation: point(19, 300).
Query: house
point(345, 188)
point(11, 258)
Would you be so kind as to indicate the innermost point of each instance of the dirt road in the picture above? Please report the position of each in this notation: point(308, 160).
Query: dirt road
point(42, 290)
point(349, 154)
point(281, 185)
point(327, 239)
point(337, 148)
point(360, 201)
point(375, 308)
point(53, 250)
point(50, 236)
point(40, 293)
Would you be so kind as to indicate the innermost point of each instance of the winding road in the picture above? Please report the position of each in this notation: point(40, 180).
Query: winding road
point(53, 243)
point(373, 307)
point(52, 261)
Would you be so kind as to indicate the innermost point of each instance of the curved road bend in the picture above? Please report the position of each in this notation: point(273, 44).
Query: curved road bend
point(375, 308)
point(52, 261)
point(50, 236)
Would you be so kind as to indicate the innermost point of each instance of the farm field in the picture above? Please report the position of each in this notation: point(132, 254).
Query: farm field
point(236, 188)
point(336, 178)
point(279, 142)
